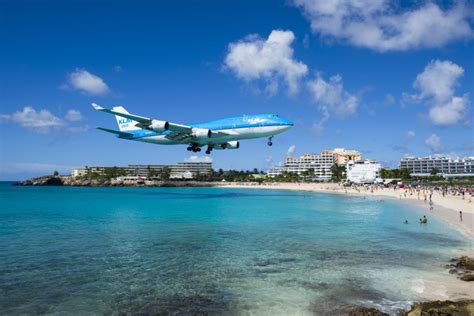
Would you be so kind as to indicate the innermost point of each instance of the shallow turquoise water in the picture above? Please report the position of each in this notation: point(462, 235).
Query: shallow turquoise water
point(68, 250)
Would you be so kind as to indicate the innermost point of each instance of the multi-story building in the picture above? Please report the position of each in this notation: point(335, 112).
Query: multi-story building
point(182, 170)
point(422, 166)
point(321, 163)
point(187, 170)
point(342, 156)
point(367, 171)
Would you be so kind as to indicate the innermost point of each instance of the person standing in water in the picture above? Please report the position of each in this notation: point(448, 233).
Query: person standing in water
point(460, 215)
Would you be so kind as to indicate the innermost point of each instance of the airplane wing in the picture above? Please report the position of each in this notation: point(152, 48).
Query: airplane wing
point(178, 131)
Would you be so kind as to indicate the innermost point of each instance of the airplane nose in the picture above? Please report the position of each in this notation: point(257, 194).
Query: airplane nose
point(285, 121)
point(289, 123)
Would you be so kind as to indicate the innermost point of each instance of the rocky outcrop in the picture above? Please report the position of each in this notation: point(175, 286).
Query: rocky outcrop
point(47, 180)
point(443, 308)
point(101, 182)
point(357, 311)
point(463, 267)
point(436, 308)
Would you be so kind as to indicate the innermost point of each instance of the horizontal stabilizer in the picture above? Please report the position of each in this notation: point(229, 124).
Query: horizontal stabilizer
point(123, 134)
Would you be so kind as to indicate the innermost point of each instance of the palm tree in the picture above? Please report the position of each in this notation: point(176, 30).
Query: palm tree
point(434, 171)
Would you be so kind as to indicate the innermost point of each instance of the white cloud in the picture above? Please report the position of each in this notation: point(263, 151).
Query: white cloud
point(198, 159)
point(451, 112)
point(382, 26)
point(436, 86)
point(270, 59)
point(438, 80)
point(73, 115)
point(434, 143)
point(291, 150)
point(411, 134)
point(84, 81)
point(41, 121)
point(331, 97)
point(269, 161)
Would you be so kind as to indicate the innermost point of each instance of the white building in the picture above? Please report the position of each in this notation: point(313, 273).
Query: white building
point(367, 171)
point(320, 163)
point(78, 172)
point(185, 175)
point(189, 170)
point(422, 166)
point(181, 170)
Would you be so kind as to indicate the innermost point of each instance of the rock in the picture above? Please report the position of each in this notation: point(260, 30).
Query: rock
point(468, 277)
point(53, 181)
point(466, 263)
point(443, 308)
point(366, 311)
point(463, 267)
point(358, 311)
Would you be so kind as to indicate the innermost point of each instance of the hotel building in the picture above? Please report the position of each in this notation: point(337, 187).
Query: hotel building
point(422, 166)
point(181, 170)
point(321, 163)
point(367, 171)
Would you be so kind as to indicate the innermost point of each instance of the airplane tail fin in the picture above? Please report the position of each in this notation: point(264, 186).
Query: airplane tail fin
point(124, 124)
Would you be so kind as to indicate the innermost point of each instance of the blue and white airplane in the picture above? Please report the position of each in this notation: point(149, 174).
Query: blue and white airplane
point(219, 134)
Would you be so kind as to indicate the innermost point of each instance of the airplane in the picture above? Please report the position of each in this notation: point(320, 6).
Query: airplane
point(219, 134)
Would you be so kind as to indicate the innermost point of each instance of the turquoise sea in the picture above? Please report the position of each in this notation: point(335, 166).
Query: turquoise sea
point(81, 250)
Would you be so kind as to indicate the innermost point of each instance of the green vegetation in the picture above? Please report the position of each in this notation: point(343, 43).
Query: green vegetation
point(338, 173)
point(395, 174)
point(434, 171)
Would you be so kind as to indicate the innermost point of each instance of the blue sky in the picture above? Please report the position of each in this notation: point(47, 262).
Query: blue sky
point(384, 78)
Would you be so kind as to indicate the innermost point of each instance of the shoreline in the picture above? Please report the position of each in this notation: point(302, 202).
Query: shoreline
point(445, 208)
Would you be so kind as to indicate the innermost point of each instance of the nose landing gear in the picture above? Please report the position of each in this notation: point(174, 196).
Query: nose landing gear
point(269, 143)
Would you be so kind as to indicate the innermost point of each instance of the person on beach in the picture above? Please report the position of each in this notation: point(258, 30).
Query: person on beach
point(431, 205)
point(460, 215)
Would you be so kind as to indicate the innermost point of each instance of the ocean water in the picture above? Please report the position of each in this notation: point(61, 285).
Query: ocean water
point(73, 250)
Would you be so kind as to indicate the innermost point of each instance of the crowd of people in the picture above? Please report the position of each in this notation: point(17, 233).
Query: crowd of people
point(422, 192)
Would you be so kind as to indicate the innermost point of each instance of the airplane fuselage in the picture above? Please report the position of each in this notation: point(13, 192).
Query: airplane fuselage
point(233, 128)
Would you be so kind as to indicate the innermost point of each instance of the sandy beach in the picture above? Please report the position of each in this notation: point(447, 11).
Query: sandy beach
point(446, 208)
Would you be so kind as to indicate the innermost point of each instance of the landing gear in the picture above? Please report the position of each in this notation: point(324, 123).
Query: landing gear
point(194, 148)
point(269, 143)
point(209, 149)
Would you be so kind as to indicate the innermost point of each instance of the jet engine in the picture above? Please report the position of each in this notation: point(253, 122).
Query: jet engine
point(232, 145)
point(159, 126)
point(228, 145)
point(201, 133)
